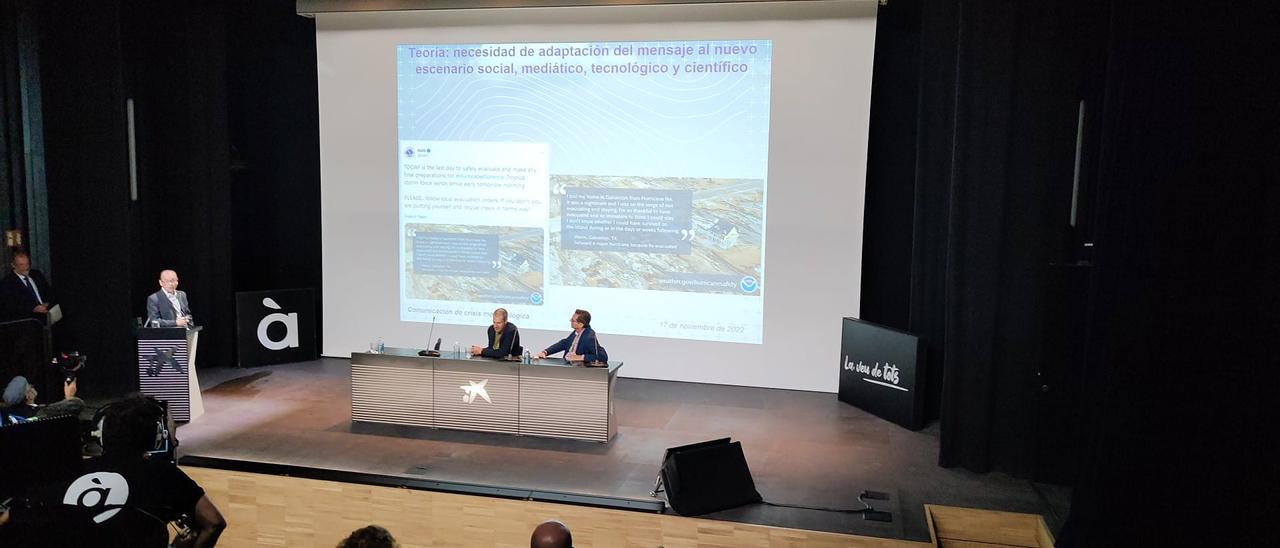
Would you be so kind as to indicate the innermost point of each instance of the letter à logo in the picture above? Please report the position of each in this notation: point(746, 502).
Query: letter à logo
point(290, 322)
point(106, 491)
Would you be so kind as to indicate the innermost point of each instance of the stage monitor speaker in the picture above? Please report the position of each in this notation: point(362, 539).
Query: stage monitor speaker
point(707, 477)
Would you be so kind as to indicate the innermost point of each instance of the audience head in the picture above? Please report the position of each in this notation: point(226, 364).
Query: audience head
point(551, 534)
point(19, 391)
point(168, 281)
point(21, 263)
point(499, 319)
point(583, 317)
point(130, 426)
point(372, 536)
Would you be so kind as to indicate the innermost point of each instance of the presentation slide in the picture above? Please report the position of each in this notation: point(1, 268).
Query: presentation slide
point(691, 174)
point(629, 178)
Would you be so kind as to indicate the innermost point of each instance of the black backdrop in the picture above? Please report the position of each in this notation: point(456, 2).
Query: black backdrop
point(228, 161)
point(969, 193)
point(1133, 369)
point(1180, 362)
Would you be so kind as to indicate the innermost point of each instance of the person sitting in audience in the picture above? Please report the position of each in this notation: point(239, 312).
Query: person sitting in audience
point(551, 534)
point(371, 536)
point(20, 402)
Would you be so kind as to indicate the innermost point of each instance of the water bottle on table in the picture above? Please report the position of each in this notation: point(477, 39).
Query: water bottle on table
point(382, 348)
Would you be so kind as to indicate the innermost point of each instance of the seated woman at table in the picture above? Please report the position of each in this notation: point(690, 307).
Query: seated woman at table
point(504, 338)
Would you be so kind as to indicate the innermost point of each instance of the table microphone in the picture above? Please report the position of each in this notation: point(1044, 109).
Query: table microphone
point(429, 351)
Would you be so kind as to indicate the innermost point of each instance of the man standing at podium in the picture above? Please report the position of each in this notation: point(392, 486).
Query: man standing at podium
point(168, 307)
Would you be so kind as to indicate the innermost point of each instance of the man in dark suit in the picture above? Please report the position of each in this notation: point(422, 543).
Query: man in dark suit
point(504, 338)
point(581, 345)
point(25, 293)
point(168, 307)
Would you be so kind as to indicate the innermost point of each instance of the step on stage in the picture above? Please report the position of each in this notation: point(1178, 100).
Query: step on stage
point(803, 448)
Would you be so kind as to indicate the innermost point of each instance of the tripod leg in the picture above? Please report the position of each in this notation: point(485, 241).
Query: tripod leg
point(657, 486)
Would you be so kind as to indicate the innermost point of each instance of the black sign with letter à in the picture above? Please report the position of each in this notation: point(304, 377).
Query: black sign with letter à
point(878, 372)
point(276, 326)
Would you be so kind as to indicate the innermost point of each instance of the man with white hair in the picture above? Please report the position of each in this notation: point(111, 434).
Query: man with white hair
point(168, 307)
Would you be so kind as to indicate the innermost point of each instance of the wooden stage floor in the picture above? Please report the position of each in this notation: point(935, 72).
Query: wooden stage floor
point(804, 448)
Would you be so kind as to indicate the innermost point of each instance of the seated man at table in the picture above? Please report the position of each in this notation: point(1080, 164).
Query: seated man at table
point(582, 344)
point(504, 338)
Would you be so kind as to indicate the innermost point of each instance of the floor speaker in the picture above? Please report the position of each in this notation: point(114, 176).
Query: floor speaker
point(707, 477)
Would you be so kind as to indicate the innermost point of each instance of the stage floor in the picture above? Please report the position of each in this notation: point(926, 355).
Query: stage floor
point(804, 448)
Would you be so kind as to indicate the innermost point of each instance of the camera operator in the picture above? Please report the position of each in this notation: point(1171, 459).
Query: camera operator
point(129, 496)
point(20, 402)
point(148, 490)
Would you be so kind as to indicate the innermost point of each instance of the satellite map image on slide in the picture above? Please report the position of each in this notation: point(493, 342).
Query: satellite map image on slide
point(473, 263)
point(657, 233)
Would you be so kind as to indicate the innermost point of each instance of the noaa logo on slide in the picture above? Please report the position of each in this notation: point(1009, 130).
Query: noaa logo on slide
point(106, 491)
point(535, 298)
point(408, 152)
point(290, 322)
point(748, 284)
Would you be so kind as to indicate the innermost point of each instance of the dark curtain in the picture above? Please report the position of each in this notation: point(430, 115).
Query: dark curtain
point(175, 69)
point(964, 258)
point(1181, 362)
point(891, 164)
point(10, 117)
point(86, 151)
point(227, 161)
point(274, 129)
point(1126, 359)
point(997, 88)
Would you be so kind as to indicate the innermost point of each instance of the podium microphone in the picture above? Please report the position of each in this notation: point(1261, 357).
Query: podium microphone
point(429, 352)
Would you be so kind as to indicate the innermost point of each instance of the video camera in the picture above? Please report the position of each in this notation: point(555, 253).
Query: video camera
point(70, 363)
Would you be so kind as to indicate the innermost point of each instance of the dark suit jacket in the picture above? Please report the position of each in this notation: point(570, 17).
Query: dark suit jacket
point(509, 344)
point(160, 311)
point(16, 301)
point(588, 346)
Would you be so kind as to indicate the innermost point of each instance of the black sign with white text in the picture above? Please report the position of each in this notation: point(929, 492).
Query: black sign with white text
point(878, 372)
point(276, 326)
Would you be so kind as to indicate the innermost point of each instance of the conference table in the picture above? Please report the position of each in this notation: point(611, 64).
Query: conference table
point(549, 398)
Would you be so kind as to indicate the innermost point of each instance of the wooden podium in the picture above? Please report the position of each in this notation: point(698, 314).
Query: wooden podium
point(167, 369)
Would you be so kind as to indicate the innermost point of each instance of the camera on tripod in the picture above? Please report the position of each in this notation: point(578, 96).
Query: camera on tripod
point(70, 363)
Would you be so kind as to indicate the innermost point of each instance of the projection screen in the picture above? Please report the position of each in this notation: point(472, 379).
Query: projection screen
point(693, 175)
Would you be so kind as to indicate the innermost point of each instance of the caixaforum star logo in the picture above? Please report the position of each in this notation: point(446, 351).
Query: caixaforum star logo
point(474, 389)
